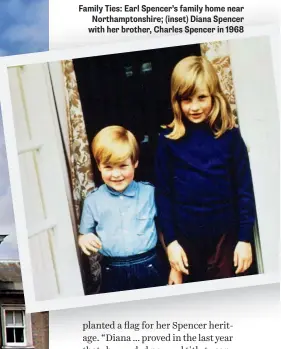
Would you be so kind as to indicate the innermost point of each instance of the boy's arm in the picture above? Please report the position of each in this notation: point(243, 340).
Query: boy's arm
point(87, 240)
point(89, 243)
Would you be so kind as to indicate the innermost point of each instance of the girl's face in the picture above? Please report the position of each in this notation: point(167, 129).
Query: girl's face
point(196, 108)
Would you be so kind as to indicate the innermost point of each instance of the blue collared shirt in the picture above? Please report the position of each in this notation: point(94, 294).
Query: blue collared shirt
point(124, 222)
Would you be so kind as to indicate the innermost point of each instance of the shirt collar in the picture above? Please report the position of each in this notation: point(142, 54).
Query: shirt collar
point(129, 191)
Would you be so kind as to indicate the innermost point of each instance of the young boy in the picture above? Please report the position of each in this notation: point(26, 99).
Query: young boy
point(118, 218)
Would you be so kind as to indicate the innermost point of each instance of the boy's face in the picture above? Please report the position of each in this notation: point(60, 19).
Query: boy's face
point(118, 176)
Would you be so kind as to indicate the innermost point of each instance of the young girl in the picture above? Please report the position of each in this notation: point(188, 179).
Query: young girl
point(204, 192)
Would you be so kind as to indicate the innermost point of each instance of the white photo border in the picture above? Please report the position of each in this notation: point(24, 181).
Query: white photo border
point(119, 47)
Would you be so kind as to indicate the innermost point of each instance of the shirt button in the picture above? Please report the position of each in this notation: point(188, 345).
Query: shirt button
point(121, 197)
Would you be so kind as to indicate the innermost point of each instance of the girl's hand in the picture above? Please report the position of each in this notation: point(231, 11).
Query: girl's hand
point(242, 256)
point(89, 243)
point(177, 257)
point(175, 277)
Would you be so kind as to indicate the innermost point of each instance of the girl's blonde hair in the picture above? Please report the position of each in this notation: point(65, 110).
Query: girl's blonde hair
point(187, 76)
point(114, 144)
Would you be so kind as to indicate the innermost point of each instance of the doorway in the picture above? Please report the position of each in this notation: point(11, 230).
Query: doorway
point(132, 90)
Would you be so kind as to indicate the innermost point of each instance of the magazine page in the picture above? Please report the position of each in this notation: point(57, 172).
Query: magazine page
point(141, 174)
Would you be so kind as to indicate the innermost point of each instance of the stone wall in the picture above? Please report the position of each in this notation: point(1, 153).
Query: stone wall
point(40, 330)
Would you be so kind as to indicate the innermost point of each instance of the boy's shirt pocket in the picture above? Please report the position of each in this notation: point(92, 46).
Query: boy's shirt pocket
point(145, 220)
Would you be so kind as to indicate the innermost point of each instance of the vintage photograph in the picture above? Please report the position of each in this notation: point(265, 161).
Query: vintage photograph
point(148, 168)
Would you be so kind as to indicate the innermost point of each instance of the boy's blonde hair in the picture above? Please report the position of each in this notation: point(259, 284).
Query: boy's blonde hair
point(188, 75)
point(114, 144)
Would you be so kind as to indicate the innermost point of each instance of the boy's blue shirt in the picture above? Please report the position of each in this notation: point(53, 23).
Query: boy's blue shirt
point(124, 222)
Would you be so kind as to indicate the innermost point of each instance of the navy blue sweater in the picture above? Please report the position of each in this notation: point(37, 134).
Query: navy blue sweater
point(204, 185)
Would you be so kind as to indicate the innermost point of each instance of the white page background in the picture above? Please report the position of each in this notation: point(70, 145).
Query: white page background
point(254, 311)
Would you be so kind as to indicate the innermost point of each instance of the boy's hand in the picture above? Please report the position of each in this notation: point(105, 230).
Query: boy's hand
point(89, 243)
point(242, 256)
point(177, 257)
point(175, 277)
